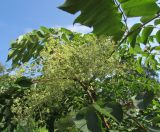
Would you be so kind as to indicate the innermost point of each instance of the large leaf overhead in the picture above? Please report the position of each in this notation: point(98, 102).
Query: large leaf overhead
point(105, 16)
point(102, 15)
point(138, 8)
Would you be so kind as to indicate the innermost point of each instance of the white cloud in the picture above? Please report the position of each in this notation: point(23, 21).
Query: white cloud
point(76, 28)
point(79, 28)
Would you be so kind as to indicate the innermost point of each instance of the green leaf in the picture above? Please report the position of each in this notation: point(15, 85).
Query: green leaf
point(117, 111)
point(134, 31)
point(158, 36)
point(112, 110)
point(87, 120)
point(139, 65)
point(102, 17)
point(139, 69)
point(139, 60)
point(146, 19)
point(136, 8)
point(45, 30)
point(153, 62)
point(39, 34)
point(146, 33)
point(16, 50)
point(155, 48)
point(151, 38)
point(32, 37)
point(157, 22)
point(106, 112)
point(12, 54)
point(143, 100)
point(156, 120)
point(93, 121)
point(24, 82)
point(137, 49)
point(72, 6)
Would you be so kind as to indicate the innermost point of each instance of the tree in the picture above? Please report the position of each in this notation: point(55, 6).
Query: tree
point(77, 72)
point(73, 63)
point(103, 69)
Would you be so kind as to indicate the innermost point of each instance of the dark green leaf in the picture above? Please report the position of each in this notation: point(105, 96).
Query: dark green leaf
point(12, 54)
point(93, 121)
point(157, 22)
point(135, 29)
point(24, 82)
point(139, 60)
point(106, 112)
point(117, 111)
point(146, 19)
point(71, 6)
point(158, 36)
point(112, 110)
point(39, 34)
point(87, 120)
point(146, 33)
point(104, 17)
point(136, 8)
point(156, 120)
point(137, 49)
point(143, 100)
point(155, 48)
point(151, 38)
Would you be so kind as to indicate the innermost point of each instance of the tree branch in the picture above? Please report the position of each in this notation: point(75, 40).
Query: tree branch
point(130, 33)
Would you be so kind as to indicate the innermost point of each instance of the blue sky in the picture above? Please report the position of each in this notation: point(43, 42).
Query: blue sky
point(20, 16)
